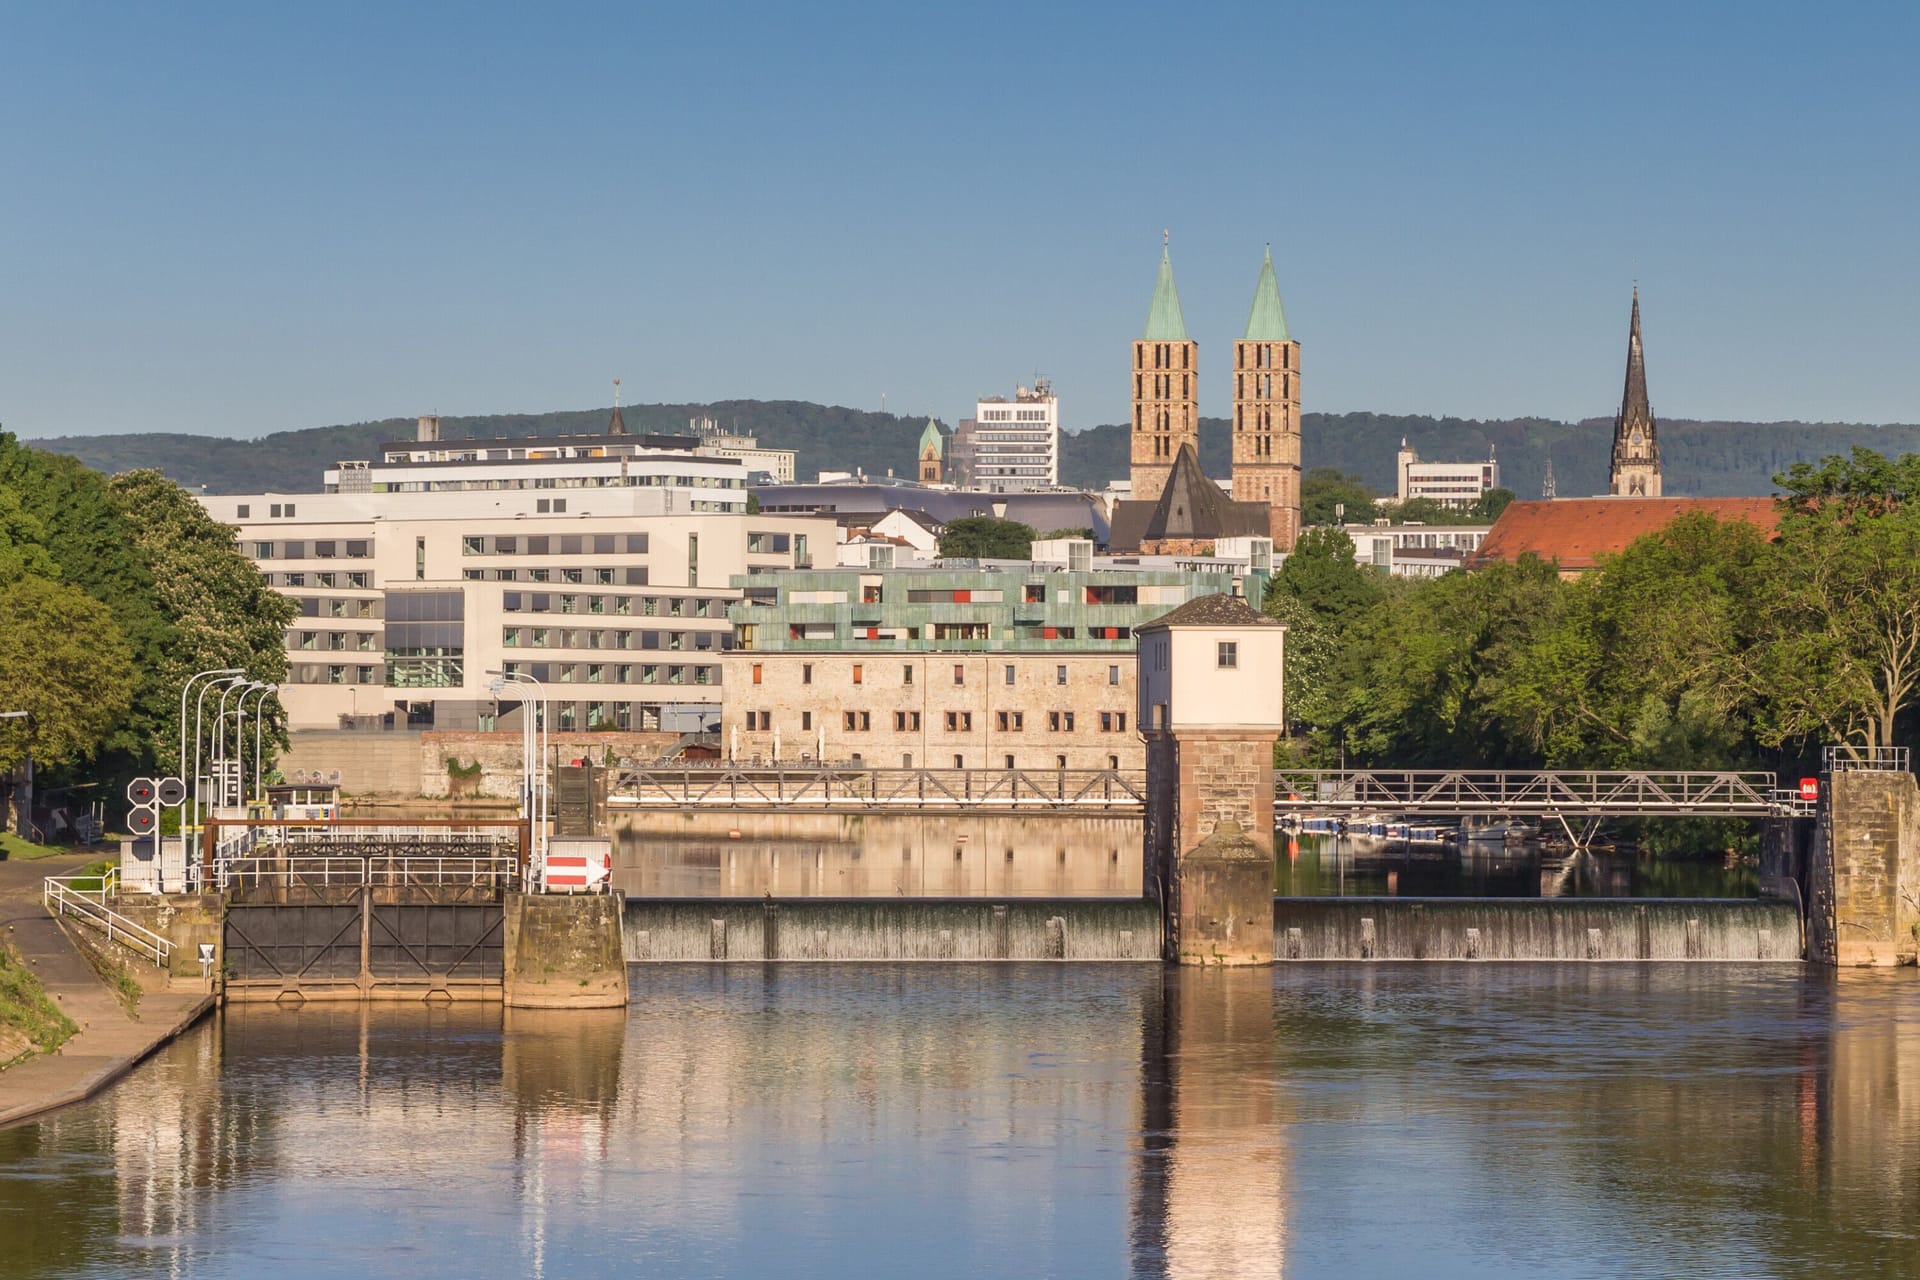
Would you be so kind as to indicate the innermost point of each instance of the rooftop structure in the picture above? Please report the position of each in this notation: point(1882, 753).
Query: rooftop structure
point(1416, 550)
point(1577, 532)
point(1044, 511)
point(1190, 514)
point(1011, 444)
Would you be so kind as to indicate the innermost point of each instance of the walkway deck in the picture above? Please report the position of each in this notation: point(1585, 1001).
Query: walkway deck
point(109, 1043)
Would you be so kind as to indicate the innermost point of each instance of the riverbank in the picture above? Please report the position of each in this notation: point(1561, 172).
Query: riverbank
point(108, 1042)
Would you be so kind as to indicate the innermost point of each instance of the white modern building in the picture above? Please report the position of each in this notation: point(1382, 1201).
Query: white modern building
point(1415, 550)
point(600, 566)
point(1013, 444)
point(1452, 484)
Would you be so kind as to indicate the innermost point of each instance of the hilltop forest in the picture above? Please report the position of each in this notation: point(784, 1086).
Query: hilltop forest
point(1708, 458)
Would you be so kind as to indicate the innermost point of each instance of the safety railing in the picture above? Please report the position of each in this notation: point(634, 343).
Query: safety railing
point(85, 898)
point(1620, 793)
point(326, 874)
point(1848, 759)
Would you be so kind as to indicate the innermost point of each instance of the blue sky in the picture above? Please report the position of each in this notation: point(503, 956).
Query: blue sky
point(234, 220)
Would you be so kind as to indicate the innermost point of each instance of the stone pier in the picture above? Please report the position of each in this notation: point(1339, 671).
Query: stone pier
point(1863, 898)
point(564, 952)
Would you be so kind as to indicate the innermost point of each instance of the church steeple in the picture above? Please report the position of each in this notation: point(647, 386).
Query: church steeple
point(1166, 387)
point(616, 425)
point(1266, 411)
point(1636, 446)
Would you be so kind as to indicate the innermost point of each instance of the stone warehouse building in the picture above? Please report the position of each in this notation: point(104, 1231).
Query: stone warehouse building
point(1019, 666)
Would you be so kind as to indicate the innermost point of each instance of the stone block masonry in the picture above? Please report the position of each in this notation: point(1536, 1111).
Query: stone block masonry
point(564, 952)
point(1864, 904)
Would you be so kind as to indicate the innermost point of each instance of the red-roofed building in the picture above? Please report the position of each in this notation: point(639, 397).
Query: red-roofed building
point(1576, 532)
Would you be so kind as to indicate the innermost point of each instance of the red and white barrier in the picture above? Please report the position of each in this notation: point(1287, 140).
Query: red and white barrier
point(572, 869)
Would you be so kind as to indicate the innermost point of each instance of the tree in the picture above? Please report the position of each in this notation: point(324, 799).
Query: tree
point(985, 538)
point(1052, 534)
point(1488, 506)
point(1839, 651)
point(1323, 576)
point(1324, 490)
point(63, 660)
point(222, 614)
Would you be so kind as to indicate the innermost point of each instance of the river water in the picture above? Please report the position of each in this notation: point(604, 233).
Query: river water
point(968, 1121)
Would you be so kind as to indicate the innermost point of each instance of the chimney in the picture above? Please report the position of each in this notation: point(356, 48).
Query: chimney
point(429, 429)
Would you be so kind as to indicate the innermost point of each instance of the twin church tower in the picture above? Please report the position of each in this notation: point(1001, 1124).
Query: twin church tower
point(1266, 420)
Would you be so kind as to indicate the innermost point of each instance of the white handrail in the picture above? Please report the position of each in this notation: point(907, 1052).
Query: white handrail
point(90, 906)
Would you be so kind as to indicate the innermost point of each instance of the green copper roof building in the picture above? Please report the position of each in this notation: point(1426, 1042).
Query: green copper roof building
point(1267, 322)
point(1164, 321)
point(931, 436)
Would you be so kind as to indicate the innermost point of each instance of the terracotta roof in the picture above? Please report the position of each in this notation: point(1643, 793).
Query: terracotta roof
point(1576, 532)
point(1211, 611)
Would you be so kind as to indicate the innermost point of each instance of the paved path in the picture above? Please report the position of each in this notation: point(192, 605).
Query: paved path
point(110, 1043)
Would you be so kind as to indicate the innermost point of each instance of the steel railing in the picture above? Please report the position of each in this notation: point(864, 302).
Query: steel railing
point(1622, 793)
point(85, 898)
point(333, 872)
point(828, 787)
point(1848, 759)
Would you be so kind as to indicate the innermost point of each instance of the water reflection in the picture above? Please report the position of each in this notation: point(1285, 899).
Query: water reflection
point(706, 854)
point(1044, 1120)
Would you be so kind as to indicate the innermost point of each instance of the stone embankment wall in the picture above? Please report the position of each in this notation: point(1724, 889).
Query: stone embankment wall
point(409, 765)
point(184, 919)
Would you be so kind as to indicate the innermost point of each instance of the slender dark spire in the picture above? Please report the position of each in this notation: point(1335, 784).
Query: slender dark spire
point(617, 425)
point(1636, 446)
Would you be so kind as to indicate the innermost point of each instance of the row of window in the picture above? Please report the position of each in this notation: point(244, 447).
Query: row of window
point(365, 641)
point(632, 576)
point(571, 544)
point(1009, 673)
point(322, 549)
point(956, 721)
point(354, 580)
point(619, 606)
point(589, 638)
point(613, 673)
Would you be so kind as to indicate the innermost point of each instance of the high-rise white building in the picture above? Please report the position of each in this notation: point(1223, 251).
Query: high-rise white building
point(1012, 444)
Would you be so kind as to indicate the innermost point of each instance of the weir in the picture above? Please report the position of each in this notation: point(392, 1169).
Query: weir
point(1573, 929)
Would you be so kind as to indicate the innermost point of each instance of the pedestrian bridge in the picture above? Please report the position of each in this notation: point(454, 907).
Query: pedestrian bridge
point(835, 788)
point(1563, 794)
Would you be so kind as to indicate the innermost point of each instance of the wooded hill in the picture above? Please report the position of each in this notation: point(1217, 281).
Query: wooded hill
point(1709, 458)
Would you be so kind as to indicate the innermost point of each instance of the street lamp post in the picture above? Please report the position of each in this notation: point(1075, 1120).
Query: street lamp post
point(212, 673)
point(533, 751)
point(259, 718)
point(240, 734)
point(199, 708)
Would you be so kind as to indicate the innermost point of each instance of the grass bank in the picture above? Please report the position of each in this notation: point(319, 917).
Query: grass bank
point(30, 1023)
point(19, 849)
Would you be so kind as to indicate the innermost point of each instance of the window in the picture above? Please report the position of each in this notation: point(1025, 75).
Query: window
point(959, 722)
point(959, 762)
point(1009, 762)
point(856, 721)
point(1113, 722)
point(1060, 674)
point(906, 674)
point(806, 673)
point(1113, 675)
point(959, 673)
point(806, 721)
point(756, 673)
point(1009, 673)
point(761, 720)
point(905, 721)
point(1010, 721)
point(244, 511)
point(858, 673)
point(1060, 721)
point(1229, 652)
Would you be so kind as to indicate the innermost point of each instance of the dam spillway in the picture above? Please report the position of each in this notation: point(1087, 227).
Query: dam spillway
point(710, 930)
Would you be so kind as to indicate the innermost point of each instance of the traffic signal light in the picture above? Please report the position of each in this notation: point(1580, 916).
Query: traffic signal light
point(144, 818)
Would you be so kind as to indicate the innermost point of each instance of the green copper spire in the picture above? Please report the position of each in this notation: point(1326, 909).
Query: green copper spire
point(1164, 321)
point(931, 436)
point(1267, 322)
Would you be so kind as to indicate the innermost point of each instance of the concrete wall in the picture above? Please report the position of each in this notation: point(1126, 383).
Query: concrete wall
point(184, 919)
point(407, 765)
point(864, 929)
point(1534, 929)
point(1866, 899)
point(564, 952)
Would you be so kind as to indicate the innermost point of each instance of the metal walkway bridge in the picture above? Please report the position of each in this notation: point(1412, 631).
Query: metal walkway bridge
point(1563, 794)
point(831, 788)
